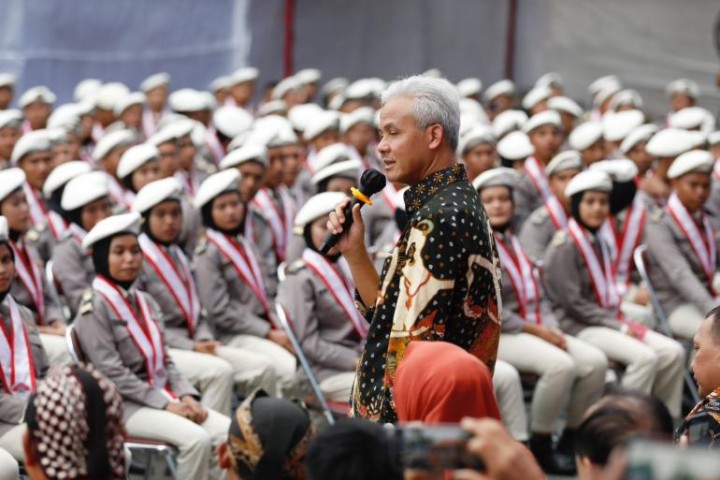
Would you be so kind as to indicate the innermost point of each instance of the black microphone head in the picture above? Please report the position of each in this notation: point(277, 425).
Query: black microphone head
point(372, 181)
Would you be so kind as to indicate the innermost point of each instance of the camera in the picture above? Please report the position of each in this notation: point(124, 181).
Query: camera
point(434, 447)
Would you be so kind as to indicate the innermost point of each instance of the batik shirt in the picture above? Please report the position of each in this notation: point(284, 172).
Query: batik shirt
point(440, 283)
point(702, 425)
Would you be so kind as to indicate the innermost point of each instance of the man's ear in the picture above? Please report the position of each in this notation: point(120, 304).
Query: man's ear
point(435, 134)
point(223, 453)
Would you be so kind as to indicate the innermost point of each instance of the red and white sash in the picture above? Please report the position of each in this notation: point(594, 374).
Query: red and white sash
point(17, 366)
point(536, 173)
point(177, 279)
point(143, 330)
point(77, 232)
point(716, 169)
point(189, 181)
point(150, 121)
point(31, 276)
point(622, 246)
point(601, 274)
point(117, 192)
point(57, 225)
point(280, 221)
point(38, 211)
point(556, 211)
point(523, 277)
point(702, 243)
point(339, 285)
point(216, 149)
point(243, 260)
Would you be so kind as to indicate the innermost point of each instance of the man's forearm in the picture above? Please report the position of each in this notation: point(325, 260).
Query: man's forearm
point(365, 276)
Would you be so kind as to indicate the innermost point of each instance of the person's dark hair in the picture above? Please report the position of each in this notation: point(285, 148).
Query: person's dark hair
point(715, 315)
point(622, 196)
point(353, 450)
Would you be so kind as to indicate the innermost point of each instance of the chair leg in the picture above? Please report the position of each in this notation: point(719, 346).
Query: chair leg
point(148, 464)
point(170, 461)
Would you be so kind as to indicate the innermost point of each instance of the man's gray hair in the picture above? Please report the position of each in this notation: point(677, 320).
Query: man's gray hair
point(436, 102)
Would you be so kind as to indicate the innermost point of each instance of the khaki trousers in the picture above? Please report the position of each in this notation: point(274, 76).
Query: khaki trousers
point(250, 370)
point(280, 360)
point(338, 388)
point(56, 349)
point(685, 320)
point(509, 394)
point(196, 444)
point(654, 365)
point(8, 466)
point(12, 441)
point(211, 375)
point(571, 379)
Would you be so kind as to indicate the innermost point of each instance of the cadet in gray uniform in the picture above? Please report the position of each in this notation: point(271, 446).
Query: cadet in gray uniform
point(318, 295)
point(119, 329)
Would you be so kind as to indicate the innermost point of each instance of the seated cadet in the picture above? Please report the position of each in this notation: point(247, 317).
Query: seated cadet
point(319, 296)
point(682, 246)
point(120, 332)
point(478, 152)
point(582, 287)
point(572, 372)
point(167, 277)
point(138, 166)
point(665, 146)
point(587, 139)
point(21, 351)
point(107, 153)
point(230, 281)
point(32, 155)
point(31, 289)
point(539, 228)
point(192, 167)
point(85, 201)
point(510, 398)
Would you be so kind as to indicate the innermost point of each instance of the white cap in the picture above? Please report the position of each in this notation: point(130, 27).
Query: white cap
point(320, 123)
point(503, 87)
point(135, 157)
point(107, 227)
point(683, 85)
point(155, 193)
point(301, 115)
point(359, 89)
point(10, 118)
point(66, 116)
point(181, 127)
point(337, 84)
point(603, 82)
point(244, 74)
point(7, 80)
point(469, 86)
point(713, 138)
point(691, 118)
point(10, 180)
point(692, 161)
point(62, 174)
point(365, 115)
point(639, 134)
point(566, 160)
point(477, 135)
point(496, 177)
point(626, 97)
point(37, 94)
point(83, 189)
point(535, 96)
point(188, 100)
point(548, 117)
point(566, 105)
point(285, 86)
point(282, 136)
point(607, 92)
point(87, 89)
point(31, 142)
point(273, 107)
point(215, 184)
point(585, 135)
point(617, 125)
point(620, 170)
point(589, 180)
point(232, 121)
point(111, 141)
point(307, 76)
point(515, 146)
point(132, 98)
point(164, 135)
point(4, 230)
point(472, 110)
point(109, 94)
point(318, 206)
point(348, 168)
point(670, 142)
point(697, 140)
point(337, 152)
point(249, 152)
point(220, 83)
point(549, 79)
point(154, 81)
point(508, 121)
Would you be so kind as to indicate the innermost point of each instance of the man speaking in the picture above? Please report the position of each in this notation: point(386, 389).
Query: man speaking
point(442, 280)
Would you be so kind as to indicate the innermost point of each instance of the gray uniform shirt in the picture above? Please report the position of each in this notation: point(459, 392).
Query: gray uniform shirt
point(265, 249)
point(21, 294)
point(537, 233)
point(191, 226)
point(73, 270)
point(527, 199)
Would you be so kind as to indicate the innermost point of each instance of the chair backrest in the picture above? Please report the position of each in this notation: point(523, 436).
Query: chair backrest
point(73, 344)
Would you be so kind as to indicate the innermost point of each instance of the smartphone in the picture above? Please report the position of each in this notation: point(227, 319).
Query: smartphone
point(435, 448)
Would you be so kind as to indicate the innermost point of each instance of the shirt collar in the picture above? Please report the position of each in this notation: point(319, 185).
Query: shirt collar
point(421, 193)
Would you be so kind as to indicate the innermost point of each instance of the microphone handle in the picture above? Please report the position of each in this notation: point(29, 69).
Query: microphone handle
point(332, 239)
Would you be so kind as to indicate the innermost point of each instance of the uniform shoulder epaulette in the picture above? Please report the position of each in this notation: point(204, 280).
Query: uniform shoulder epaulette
point(539, 216)
point(656, 214)
point(86, 302)
point(65, 235)
point(33, 235)
point(559, 238)
point(296, 266)
point(201, 246)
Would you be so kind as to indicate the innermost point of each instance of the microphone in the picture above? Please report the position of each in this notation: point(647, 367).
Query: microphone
point(371, 182)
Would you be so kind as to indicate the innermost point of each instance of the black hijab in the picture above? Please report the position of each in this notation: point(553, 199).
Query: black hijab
point(145, 227)
point(12, 255)
point(207, 220)
point(101, 258)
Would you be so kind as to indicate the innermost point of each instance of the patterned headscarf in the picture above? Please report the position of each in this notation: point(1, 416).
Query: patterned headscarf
point(268, 438)
point(75, 422)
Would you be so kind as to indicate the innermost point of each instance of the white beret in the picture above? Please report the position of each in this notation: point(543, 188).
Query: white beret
point(107, 227)
point(283, 136)
point(154, 81)
point(37, 94)
point(31, 142)
point(7, 80)
point(244, 74)
point(472, 108)
point(585, 135)
point(4, 231)
point(215, 184)
point(187, 100)
point(691, 118)
point(692, 161)
point(362, 115)
point(566, 105)
point(164, 135)
point(10, 118)
point(155, 193)
point(697, 140)
point(377, 85)
point(337, 152)
point(359, 89)
point(307, 76)
point(220, 83)
point(503, 87)
point(567, 160)
point(713, 138)
point(670, 142)
point(249, 152)
point(348, 168)
point(85, 188)
point(549, 79)
point(135, 157)
point(62, 174)
point(320, 123)
point(620, 170)
point(10, 180)
point(548, 117)
point(515, 146)
point(496, 177)
point(468, 121)
point(301, 115)
point(181, 127)
point(617, 125)
point(626, 97)
point(595, 179)
point(109, 94)
point(273, 107)
point(337, 84)
point(508, 121)
point(232, 121)
point(111, 141)
point(318, 206)
point(477, 135)
point(535, 96)
point(132, 98)
point(683, 85)
point(608, 92)
point(285, 86)
point(469, 86)
point(87, 89)
point(241, 140)
point(637, 135)
point(66, 116)
point(602, 82)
